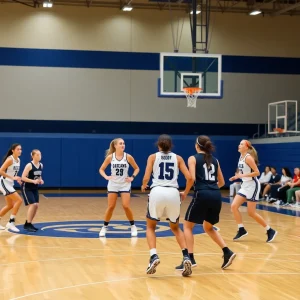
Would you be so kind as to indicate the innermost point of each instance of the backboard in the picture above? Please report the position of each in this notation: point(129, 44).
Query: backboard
point(283, 117)
point(180, 70)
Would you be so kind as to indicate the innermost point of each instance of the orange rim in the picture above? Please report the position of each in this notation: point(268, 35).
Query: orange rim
point(192, 90)
point(279, 130)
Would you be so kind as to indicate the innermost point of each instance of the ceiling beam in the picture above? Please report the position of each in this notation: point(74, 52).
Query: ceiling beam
point(24, 3)
point(286, 9)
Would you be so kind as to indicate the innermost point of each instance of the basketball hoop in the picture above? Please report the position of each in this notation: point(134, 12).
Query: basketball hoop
point(279, 130)
point(192, 94)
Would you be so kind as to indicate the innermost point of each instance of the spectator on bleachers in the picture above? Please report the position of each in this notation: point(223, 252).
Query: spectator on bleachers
point(285, 178)
point(287, 192)
point(297, 195)
point(275, 179)
point(234, 187)
point(264, 178)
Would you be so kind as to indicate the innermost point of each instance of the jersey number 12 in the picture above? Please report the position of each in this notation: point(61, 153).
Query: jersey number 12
point(166, 171)
point(209, 174)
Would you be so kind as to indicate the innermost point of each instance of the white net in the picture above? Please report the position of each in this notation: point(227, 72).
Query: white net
point(191, 96)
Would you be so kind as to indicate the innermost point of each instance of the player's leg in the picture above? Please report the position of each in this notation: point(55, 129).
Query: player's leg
point(228, 255)
point(172, 208)
point(17, 201)
point(192, 216)
point(239, 199)
point(151, 239)
point(112, 201)
point(271, 233)
point(32, 201)
point(9, 205)
point(155, 209)
point(125, 196)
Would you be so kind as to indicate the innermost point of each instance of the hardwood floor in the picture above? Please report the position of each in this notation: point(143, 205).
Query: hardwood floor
point(67, 259)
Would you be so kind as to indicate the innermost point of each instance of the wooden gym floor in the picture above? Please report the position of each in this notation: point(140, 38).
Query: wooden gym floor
point(46, 267)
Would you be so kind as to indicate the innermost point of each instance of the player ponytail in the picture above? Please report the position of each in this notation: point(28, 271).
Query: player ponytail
point(112, 147)
point(164, 143)
point(10, 151)
point(252, 151)
point(204, 143)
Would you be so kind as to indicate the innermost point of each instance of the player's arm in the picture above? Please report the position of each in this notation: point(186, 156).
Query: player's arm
point(192, 167)
point(221, 180)
point(235, 177)
point(148, 171)
point(251, 163)
point(26, 170)
point(4, 167)
point(186, 173)
point(134, 166)
point(41, 179)
point(106, 162)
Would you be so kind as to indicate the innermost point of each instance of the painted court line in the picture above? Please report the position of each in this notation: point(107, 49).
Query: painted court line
point(271, 259)
point(144, 277)
point(135, 254)
point(135, 251)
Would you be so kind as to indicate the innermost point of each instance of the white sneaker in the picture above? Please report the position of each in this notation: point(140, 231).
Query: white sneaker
point(12, 227)
point(134, 231)
point(102, 232)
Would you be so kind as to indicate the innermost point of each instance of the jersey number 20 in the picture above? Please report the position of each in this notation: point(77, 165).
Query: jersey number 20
point(166, 171)
point(209, 174)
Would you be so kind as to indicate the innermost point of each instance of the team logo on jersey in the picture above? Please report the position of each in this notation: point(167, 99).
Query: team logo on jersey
point(90, 229)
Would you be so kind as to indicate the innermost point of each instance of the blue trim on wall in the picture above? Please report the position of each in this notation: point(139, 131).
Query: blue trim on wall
point(78, 59)
point(136, 61)
point(111, 127)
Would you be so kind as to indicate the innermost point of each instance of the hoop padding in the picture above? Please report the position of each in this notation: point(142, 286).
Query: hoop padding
point(192, 94)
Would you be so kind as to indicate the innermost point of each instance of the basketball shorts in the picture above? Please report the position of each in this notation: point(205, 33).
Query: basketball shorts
point(7, 187)
point(164, 202)
point(250, 190)
point(114, 187)
point(205, 206)
point(30, 196)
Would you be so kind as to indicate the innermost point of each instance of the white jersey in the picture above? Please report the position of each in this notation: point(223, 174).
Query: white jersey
point(13, 169)
point(245, 169)
point(165, 170)
point(119, 168)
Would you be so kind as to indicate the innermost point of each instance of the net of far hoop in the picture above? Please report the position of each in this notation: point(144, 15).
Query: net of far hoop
point(192, 94)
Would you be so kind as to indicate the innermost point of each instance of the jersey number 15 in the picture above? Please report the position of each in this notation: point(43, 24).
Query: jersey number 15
point(166, 171)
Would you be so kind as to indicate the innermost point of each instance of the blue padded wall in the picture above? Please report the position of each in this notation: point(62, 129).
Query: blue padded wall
point(279, 155)
point(73, 160)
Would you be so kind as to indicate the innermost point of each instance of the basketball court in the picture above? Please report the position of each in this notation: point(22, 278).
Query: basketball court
point(66, 259)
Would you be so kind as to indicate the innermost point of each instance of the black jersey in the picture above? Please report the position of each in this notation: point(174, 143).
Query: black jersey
point(34, 173)
point(206, 176)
